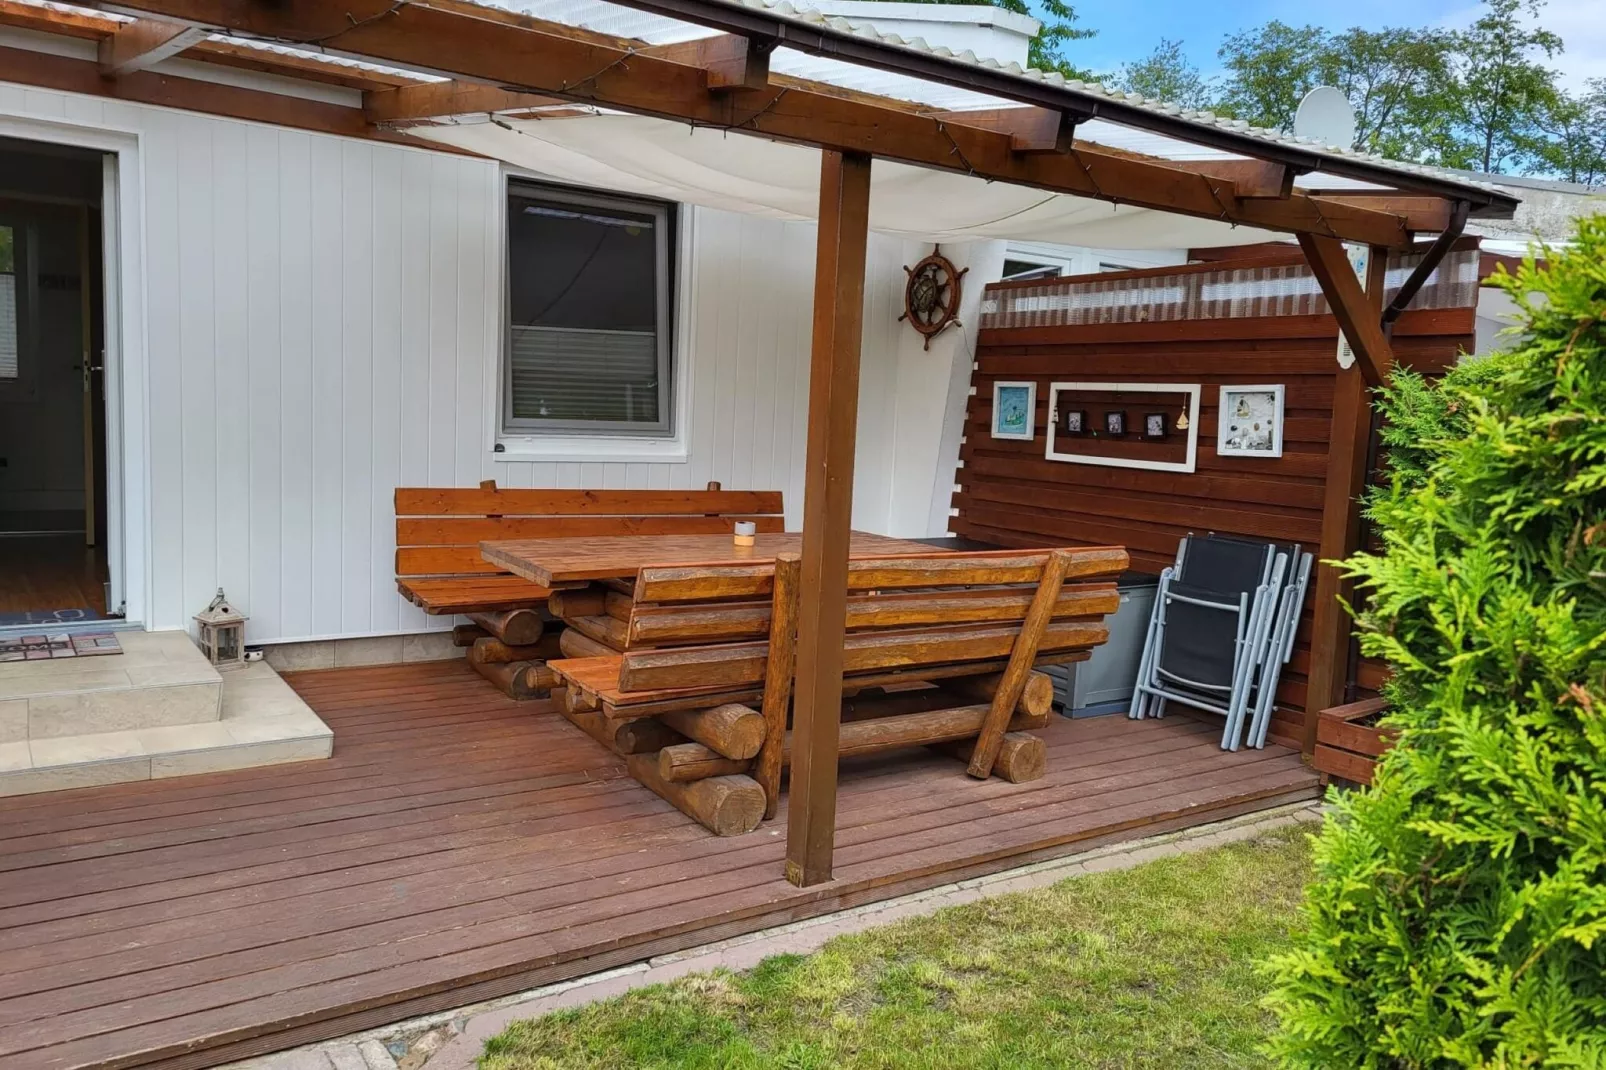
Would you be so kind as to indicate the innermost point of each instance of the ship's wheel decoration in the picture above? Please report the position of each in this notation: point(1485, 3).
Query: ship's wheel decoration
point(931, 296)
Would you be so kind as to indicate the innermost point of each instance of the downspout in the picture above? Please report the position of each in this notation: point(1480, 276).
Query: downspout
point(1413, 284)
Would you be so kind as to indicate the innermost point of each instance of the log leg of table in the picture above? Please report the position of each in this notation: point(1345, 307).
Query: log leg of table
point(491, 650)
point(520, 680)
point(734, 730)
point(515, 627)
point(1021, 757)
point(778, 672)
point(574, 644)
point(1021, 659)
point(725, 805)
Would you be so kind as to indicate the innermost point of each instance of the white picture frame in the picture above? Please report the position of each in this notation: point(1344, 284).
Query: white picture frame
point(1063, 393)
point(1015, 410)
point(1249, 421)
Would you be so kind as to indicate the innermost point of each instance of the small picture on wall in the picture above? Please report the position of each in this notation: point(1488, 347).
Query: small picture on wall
point(1251, 421)
point(1115, 423)
point(1155, 425)
point(1014, 410)
point(1074, 421)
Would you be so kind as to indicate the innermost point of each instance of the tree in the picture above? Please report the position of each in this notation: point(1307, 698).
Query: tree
point(1458, 912)
point(1269, 71)
point(1396, 80)
point(1166, 75)
point(1574, 143)
point(1501, 89)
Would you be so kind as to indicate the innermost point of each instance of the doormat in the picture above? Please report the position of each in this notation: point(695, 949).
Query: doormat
point(61, 645)
point(49, 616)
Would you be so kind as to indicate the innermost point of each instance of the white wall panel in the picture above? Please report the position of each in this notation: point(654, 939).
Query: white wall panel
point(323, 324)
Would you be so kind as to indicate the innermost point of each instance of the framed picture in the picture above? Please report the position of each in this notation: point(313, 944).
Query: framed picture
point(1014, 410)
point(1250, 423)
point(1156, 425)
point(1084, 432)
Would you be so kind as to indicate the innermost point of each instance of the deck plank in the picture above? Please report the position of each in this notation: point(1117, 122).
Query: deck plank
point(460, 845)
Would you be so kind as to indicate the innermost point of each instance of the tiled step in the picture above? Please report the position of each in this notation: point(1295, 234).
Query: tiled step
point(259, 721)
point(159, 679)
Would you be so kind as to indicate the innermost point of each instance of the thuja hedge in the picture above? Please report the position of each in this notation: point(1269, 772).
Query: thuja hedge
point(1458, 912)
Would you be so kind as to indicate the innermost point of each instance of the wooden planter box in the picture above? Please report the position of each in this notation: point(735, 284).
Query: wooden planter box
point(1345, 747)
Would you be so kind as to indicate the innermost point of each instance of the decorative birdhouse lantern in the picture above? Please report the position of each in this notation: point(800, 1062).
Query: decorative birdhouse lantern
point(222, 633)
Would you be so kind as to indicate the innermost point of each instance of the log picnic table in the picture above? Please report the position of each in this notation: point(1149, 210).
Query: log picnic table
point(621, 557)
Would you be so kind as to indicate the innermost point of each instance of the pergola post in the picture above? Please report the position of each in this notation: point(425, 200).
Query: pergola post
point(1349, 437)
point(827, 512)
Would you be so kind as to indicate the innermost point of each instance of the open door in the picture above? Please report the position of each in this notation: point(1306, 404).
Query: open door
point(53, 432)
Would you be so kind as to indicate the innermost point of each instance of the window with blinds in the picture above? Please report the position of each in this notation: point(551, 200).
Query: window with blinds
point(8, 303)
point(588, 335)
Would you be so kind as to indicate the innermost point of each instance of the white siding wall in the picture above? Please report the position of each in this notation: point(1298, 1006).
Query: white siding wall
point(322, 317)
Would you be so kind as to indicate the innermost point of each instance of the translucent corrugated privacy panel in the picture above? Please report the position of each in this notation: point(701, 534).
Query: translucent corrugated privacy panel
point(1230, 293)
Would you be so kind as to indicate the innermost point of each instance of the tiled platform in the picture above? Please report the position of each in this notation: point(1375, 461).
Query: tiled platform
point(156, 710)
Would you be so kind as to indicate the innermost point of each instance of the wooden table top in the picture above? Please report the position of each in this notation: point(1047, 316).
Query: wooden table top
point(550, 561)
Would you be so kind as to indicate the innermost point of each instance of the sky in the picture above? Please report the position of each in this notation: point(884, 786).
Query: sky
point(1130, 29)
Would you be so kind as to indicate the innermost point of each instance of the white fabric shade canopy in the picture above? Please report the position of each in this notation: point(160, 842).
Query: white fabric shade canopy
point(742, 173)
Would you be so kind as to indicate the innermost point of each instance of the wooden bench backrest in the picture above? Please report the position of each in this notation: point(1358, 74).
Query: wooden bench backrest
point(902, 612)
point(439, 529)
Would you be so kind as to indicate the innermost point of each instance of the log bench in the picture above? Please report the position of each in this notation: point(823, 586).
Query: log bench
point(940, 651)
point(439, 567)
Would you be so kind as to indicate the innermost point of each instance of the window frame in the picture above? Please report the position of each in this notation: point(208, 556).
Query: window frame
point(22, 294)
point(668, 248)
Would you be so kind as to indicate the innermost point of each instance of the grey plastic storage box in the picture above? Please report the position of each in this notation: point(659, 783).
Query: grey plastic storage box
point(1102, 684)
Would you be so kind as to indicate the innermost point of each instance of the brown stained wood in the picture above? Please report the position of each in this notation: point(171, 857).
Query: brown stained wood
point(729, 61)
point(1022, 757)
point(734, 730)
point(1357, 311)
point(470, 531)
point(1346, 765)
point(575, 700)
point(467, 634)
point(1036, 695)
point(357, 924)
point(605, 631)
point(658, 625)
point(725, 805)
point(779, 668)
point(522, 680)
point(143, 43)
point(623, 738)
point(1034, 633)
point(471, 593)
point(619, 606)
point(739, 664)
point(492, 650)
point(588, 601)
point(600, 676)
point(516, 627)
point(1349, 444)
point(508, 502)
point(869, 572)
point(576, 644)
point(827, 541)
point(686, 762)
point(549, 561)
point(695, 761)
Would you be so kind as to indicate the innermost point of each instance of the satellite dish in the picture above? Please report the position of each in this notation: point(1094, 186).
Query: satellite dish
point(1325, 115)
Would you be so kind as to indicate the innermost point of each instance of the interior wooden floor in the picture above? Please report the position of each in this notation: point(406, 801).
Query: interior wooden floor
point(460, 847)
point(40, 572)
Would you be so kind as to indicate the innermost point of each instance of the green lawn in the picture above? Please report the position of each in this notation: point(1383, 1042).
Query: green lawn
point(1153, 966)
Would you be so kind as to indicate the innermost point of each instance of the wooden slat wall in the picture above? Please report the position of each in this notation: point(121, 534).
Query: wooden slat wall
point(1007, 493)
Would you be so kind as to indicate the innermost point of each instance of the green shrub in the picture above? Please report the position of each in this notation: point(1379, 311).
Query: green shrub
point(1458, 914)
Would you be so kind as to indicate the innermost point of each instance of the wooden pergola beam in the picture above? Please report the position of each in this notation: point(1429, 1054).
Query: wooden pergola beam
point(433, 100)
point(1030, 129)
point(143, 43)
point(1420, 213)
point(1361, 323)
point(1349, 440)
point(529, 55)
point(732, 62)
point(827, 507)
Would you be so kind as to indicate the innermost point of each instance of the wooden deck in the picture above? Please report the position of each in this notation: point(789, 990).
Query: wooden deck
point(460, 847)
